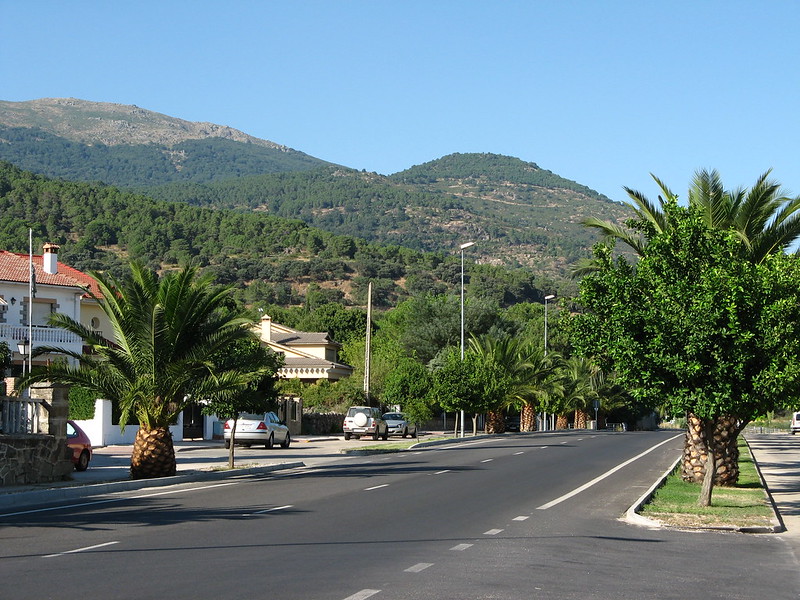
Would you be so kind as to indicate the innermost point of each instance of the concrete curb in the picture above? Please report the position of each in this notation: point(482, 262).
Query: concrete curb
point(633, 517)
point(58, 494)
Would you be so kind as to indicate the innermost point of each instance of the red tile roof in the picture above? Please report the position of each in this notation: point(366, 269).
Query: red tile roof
point(14, 267)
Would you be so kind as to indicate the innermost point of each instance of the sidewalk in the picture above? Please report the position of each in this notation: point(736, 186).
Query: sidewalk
point(778, 458)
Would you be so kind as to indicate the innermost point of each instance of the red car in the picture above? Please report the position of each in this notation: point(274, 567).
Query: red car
point(81, 447)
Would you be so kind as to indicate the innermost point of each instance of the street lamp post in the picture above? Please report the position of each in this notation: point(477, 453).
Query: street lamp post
point(24, 348)
point(546, 298)
point(463, 247)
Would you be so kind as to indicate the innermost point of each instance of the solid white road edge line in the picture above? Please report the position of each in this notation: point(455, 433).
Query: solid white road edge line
point(109, 500)
point(589, 484)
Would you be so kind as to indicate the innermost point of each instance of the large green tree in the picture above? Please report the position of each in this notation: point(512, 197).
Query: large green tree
point(698, 326)
point(167, 332)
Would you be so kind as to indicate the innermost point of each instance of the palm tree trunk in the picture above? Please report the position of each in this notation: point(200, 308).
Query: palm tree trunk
point(495, 422)
point(726, 452)
point(527, 418)
point(562, 422)
point(580, 419)
point(153, 454)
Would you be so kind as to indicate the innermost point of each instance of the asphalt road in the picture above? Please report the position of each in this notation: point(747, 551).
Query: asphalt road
point(500, 518)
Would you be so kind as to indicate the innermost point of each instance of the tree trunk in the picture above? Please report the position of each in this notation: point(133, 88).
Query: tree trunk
point(153, 454)
point(495, 422)
point(709, 425)
point(562, 422)
point(726, 452)
point(580, 419)
point(527, 418)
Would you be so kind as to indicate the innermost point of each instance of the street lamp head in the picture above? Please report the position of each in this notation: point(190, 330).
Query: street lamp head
point(23, 346)
point(466, 245)
point(550, 297)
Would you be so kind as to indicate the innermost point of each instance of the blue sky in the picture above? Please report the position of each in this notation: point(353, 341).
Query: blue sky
point(599, 92)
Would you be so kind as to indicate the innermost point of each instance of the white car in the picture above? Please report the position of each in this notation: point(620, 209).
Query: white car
point(795, 426)
point(364, 420)
point(265, 429)
point(399, 425)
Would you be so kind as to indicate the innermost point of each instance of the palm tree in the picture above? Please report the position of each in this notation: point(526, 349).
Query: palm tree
point(765, 220)
point(528, 370)
point(166, 333)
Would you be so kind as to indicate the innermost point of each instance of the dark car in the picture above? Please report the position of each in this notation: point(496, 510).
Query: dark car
point(80, 445)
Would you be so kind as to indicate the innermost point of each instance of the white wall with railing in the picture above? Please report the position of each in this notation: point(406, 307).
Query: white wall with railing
point(102, 432)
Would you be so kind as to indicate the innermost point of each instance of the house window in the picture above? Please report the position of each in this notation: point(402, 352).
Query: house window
point(94, 323)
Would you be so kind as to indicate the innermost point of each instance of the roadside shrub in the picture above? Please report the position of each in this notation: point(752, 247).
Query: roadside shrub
point(81, 403)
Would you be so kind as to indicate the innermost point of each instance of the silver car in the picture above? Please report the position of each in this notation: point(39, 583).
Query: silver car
point(399, 425)
point(265, 429)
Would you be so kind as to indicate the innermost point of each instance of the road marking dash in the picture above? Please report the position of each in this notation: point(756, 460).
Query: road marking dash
point(440, 472)
point(487, 460)
point(520, 518)
point(492, 532)
point(267, 510)
point(362, 595)
point(418, 567)
point(81, 549)
point(518, 453)
point(461, 547)
point(376, 487)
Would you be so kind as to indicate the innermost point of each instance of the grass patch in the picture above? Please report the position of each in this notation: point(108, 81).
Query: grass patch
point(742, 505)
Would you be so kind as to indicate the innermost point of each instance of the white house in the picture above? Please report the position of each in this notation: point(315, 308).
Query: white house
point(58, 288)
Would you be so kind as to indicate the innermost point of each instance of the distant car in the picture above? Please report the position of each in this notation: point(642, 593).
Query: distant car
point(265, 429)
point(795, 425)
point(80, 445)
point(512, 422)
point(399, 425)
point(364, 420)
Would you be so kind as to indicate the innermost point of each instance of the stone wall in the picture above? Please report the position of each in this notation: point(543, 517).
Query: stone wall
point(39, 458)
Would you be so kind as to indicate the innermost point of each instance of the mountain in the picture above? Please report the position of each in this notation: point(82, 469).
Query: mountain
point(518, 213)
point(129, 146)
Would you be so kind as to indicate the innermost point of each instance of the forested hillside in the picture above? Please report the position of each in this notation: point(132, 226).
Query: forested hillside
point(519, 214)
point(270, 259)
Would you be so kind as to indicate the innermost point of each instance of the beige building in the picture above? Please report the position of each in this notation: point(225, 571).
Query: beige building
point(307, 356)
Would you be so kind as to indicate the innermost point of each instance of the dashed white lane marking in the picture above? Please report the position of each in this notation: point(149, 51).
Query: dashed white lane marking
point(518, 453)
point(563, 442)
point(520, 518)
point(492, 532)
point(268, 510)
point(487, 460)
point(376, 487)
point(362, 595)
point(440, 472)
point(418, 567)
point(461, 547)
point(81, 549)
point(598, 479)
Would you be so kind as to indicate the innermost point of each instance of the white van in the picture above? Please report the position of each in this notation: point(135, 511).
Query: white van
point(795, 426)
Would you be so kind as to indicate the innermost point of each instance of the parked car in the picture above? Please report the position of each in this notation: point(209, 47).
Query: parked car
point(365, 420)
point(265, 429)
point(80, 445)
point(399, 425)
point(794, 427)
point(512, 422)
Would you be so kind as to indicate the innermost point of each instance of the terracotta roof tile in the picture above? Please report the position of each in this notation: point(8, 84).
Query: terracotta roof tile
point(14, 267)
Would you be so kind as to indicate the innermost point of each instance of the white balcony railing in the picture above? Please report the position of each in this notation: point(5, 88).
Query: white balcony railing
point(42, 336)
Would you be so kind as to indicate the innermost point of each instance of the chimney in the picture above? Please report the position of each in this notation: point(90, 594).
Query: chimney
point(266, 328)
point(50, 258)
